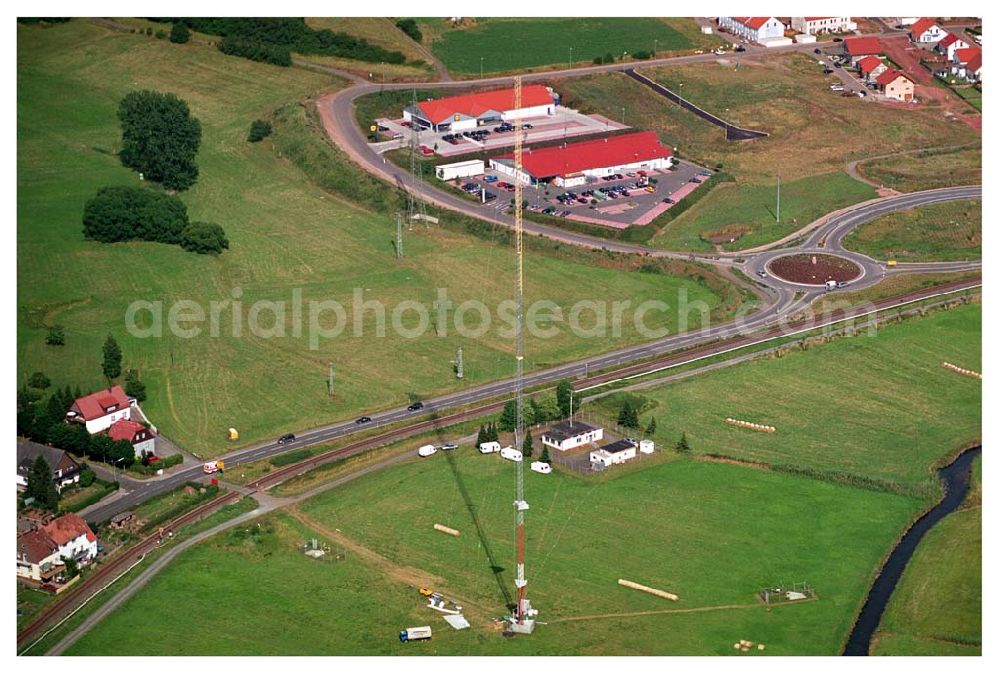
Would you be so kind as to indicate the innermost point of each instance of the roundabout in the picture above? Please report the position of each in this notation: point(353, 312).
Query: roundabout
point(814, 269)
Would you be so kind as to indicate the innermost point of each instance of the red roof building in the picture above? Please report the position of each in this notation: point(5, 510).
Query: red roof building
point(134, 433)
point(926, 30)
point(857, 47)
point(895, 84)
point(965, 56)
point(101, 409)
point(474, 109)
point(570, 164)
point(68, 528)
point(869, 64)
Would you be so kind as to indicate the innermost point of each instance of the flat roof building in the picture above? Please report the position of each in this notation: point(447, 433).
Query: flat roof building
point(571, 164)
point(613, 453)
point(469, 111)
point(567, 435)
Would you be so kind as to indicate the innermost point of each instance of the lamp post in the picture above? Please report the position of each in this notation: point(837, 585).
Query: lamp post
point(481, 67)
point(571, 58)
point(114, 475)
point(623, 115)
point(656, 43)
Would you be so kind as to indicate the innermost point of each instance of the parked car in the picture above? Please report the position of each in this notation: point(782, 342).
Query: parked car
point(838, 39)
point(448, 446)
point(363, 420)
point(761, 273)
point(842, 284)
point(413, 407)
point(668, 200)
point(847, 94)
point(836, 87)
point(287, 437)
point(817, 51)
point(490, 179)
point(740, 48)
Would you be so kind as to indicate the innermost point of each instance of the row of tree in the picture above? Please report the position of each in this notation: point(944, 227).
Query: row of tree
point(254, 37)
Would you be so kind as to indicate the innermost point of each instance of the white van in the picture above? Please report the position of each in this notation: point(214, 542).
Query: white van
point(541, 467)
point(489, 447)
point(511, 454)
point(427, 450)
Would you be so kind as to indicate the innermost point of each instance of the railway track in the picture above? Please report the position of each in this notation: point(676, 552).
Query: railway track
point(85, 589)
point(82, 591)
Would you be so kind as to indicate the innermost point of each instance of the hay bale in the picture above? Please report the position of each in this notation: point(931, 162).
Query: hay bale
point(760, 647)
point(447, 530)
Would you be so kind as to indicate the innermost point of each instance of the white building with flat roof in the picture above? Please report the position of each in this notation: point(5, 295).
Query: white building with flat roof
point(567, 435)
point(461, 169)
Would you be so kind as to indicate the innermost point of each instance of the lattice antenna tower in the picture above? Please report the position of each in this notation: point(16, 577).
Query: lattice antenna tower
point(415, 207)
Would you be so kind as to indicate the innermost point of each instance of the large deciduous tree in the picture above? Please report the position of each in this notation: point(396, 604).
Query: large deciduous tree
point(160, 138)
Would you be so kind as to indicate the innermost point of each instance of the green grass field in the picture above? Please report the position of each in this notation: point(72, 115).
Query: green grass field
point(285, 232)
point(937, 607)
point(813, 134)
point(879, 408)
point(927, 171)
point(519, 44)
point(747, 212)
point(695, 534)
point(949, 231)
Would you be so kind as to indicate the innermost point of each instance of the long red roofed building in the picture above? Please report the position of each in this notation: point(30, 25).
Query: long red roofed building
point(470, 111)
point(570, 164)
point(101, 409)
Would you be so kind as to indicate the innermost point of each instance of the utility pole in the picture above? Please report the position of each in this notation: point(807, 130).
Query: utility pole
point(777, 210)
point(399, 235)
point(329, 383)
point(570, 58)
point(459, 365)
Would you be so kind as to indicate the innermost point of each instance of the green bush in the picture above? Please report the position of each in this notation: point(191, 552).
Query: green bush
point(162, 464)
point(56, 336)
point(410, 27)
point(180, 33)
point(204, 238)
point(39, 380)
point(123, 213)
point(256, 51)
point(259, 130)
point(160, 138)
point(107, 488)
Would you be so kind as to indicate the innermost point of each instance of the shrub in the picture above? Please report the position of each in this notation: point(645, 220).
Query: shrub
point(56, 336)
point(409, 26)
point(134, 386)
point(39, 380)
point(87, 476)
point(160, 34)
point(124, 213)
point(256, 51)
point(259, 130)
point(160, 138)
point(204, 238)
point(180, 33)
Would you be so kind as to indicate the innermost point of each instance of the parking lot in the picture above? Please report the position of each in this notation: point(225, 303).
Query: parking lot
point(618, 202)
point(564, 123)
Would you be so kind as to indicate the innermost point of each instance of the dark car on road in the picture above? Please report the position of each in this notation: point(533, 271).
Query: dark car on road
point(448, 446)
point(413, 407)
point(363, 420)
point(287, 437)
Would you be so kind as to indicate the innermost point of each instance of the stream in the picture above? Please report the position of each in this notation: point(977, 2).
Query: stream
point(955, 478)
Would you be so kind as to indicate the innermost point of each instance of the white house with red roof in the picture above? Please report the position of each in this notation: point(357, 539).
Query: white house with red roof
point(859, 47)
point(759, 29)
point(40, 551)
point(571, 164)
point(469, 111)
point(871, 67)
point(949, 44)
point(926, 31)
point(102, 408)
point(896, 85)
point(968, 63)
point(814, 25)
point(142, 439)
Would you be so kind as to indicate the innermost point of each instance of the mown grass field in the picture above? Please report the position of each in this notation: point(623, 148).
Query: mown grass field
point(948, 231)
point(869, 407)
point(813, 134)
point(747, 211)
point(937, 607)
point(285, 233)
point(712, 533)
point(927, 170)
point(524, 43)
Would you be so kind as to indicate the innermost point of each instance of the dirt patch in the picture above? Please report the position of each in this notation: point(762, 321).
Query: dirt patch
point(727, 234)
point(814, 269)
point(716, 458)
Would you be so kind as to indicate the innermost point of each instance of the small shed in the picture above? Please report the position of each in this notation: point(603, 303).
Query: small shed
point(122, 520)
point(646, 446)
point(234, 434)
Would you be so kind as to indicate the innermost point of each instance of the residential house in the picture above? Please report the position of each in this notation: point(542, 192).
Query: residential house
point(142, 439)
point(895, 84)
point(856, 48)
point(38, 557)
point(101, 409)
point(871, 67)
point(926, 31)
point(967, 63)
point(567, 435)
point(612, 454)
point(65, 469)
point(949, 44)
point(759, 29)
point(40, 551)
point(814, 25)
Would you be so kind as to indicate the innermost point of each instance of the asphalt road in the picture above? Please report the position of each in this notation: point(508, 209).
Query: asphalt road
point(337, 112)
